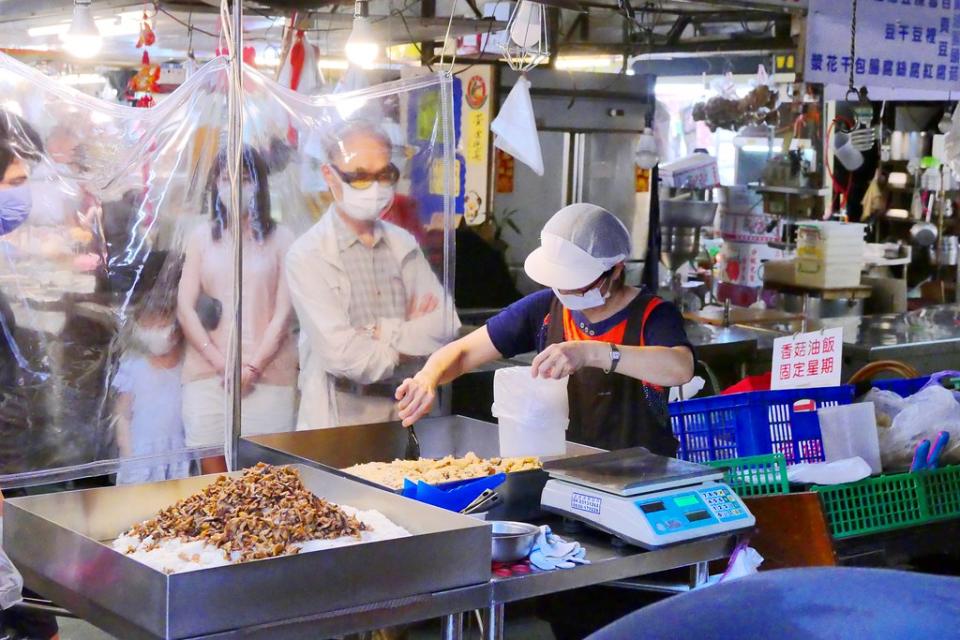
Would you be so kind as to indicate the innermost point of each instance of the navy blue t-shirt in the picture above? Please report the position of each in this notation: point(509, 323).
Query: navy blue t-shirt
point(519, 328)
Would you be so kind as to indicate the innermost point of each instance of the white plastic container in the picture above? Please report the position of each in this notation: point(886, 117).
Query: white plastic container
point(523, 438)
point(828, 274)
point(849, 431)
point(532, 413)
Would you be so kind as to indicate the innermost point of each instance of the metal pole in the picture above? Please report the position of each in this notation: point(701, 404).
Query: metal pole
point(453, 627)
point(699, 575)
point(494, 628)
point(236, 133)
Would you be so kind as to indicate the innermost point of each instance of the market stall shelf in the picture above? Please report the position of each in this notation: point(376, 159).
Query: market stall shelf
point(338, 448)
point(61, 541)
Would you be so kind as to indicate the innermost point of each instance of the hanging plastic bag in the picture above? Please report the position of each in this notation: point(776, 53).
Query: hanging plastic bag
point(11, 582)
point(515, 128)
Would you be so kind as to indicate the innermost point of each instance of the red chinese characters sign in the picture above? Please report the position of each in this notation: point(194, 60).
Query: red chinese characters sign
point(807, 360)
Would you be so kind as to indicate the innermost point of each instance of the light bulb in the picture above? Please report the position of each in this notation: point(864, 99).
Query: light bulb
point(362, 48)
point(82, 39)
point(525, 28)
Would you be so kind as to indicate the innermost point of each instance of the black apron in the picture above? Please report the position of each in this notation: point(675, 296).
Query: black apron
point(614, 411)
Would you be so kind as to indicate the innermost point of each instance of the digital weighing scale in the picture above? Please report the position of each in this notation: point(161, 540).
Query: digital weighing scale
point(644, 499)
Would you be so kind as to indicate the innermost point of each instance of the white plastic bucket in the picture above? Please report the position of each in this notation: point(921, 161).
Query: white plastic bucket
point(540, 438)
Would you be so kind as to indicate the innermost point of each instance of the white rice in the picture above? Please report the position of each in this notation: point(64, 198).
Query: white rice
point(175, 556)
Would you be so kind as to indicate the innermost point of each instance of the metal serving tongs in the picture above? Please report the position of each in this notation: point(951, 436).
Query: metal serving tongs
point(413, 445)
point(483, 502)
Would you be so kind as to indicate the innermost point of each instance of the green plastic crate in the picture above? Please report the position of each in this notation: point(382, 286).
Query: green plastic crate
point(755, 475)
point(873, 505)
point(942, 487)
point(895, 501)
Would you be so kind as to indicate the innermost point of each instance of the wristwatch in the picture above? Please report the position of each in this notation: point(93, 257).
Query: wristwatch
point(614, 358)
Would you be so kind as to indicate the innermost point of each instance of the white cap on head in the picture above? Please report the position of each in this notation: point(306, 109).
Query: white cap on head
point(578, 244)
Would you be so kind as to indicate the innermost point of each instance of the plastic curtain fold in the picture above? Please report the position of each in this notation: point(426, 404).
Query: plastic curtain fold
point(116, 292)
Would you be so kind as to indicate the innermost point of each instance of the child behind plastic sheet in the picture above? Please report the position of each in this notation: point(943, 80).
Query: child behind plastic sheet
point(148, 386)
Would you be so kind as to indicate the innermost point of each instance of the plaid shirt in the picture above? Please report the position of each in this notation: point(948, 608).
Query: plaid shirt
point(376, 288)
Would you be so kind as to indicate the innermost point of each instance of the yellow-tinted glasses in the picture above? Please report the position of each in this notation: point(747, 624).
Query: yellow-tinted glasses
point(388, 176)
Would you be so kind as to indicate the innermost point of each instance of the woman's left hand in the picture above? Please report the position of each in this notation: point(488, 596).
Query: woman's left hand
point(561, 359)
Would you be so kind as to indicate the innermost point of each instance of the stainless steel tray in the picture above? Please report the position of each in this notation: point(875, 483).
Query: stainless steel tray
point(340, 447)
point(55, 541)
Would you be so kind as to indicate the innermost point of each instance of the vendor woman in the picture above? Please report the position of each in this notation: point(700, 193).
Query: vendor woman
point(622, 347)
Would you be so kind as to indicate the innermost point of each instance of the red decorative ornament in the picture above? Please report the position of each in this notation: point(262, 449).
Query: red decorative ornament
point(147, 36)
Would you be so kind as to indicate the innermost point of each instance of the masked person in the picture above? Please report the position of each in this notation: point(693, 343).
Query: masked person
point(620, 346)
point(148, 386)
point(204, 309)
point(367, 300)
point(20, 147)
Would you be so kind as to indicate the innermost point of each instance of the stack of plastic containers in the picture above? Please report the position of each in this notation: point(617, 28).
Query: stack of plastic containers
point(830, 255)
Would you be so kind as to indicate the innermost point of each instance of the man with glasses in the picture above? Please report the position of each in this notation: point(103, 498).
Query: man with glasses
point(369, 306)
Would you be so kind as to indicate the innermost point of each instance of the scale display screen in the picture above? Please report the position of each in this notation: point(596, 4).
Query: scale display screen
point(694, 516)
point(653, 507)
point(686, 501)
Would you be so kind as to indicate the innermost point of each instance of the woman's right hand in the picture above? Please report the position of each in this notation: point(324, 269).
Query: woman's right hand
point(415, 398)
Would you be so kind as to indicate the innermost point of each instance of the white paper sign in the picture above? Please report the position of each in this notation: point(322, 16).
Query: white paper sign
point(900, 43)
point(807, 360)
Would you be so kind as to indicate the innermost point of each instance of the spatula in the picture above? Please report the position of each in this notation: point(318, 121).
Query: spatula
point(413, 445)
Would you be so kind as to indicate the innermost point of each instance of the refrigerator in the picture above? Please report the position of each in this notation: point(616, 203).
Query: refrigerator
point(589, 125)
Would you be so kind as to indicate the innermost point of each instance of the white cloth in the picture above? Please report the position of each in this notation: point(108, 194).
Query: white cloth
point(356, 409)
point(329, 346)
point(156, 425)
point(268, 409)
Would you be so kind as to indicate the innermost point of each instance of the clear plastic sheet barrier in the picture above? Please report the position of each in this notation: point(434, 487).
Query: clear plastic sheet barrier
point(117, 266)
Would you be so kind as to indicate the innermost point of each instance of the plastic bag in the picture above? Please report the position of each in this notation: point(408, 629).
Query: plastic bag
point(11, 582)
point(887, 404)
point(518, 395)
point(744, 561)
point(923, 414)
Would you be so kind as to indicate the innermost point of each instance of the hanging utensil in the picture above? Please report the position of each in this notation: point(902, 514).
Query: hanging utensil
point(925, 233)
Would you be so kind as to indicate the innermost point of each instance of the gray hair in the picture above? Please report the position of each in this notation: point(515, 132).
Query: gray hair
point(332, 145)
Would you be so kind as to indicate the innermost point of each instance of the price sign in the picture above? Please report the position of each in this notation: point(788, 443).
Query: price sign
point(807, 360)
point(911, 44)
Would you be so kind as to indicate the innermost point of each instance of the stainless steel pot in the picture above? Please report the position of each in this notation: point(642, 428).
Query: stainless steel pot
point(512, 541)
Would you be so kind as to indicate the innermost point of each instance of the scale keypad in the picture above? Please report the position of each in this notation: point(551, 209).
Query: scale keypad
point(723, 502)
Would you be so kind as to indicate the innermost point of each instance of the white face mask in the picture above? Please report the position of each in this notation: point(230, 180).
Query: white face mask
point(365, 204)
point(156, 340)
point(589, 300)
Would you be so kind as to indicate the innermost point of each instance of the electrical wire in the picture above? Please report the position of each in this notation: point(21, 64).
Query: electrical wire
point(188, 26)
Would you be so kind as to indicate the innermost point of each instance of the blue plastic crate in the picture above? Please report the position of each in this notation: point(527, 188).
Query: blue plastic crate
point(754, 423)
point(902, 387)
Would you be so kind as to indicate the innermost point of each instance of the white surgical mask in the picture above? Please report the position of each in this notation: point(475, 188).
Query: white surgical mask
point(588, 300)
point(366, 204)
point(156, 340)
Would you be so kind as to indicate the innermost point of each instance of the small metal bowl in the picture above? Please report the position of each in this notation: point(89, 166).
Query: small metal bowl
point(512, 541)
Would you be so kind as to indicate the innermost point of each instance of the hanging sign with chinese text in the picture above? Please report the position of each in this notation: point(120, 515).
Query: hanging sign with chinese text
point(807, 360)
point(899, 43)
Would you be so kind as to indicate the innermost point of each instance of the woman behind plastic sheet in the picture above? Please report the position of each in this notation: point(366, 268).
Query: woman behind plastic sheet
point(148, 385)
point(204, 306)
point(20, 149)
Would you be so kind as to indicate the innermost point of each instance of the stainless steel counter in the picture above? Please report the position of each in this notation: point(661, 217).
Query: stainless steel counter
point(928, 338)
point(441, 571)
point(609, 563)
point(60, 542)
point(340, 447)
